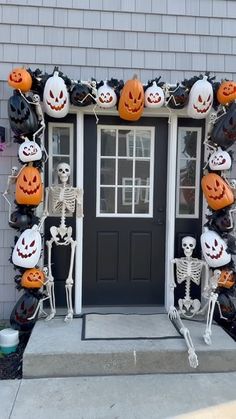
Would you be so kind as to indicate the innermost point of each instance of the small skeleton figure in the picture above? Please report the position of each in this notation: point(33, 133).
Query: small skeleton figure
point(39, 112)
point(11, 180)
point(64, 198)
point(187, 269)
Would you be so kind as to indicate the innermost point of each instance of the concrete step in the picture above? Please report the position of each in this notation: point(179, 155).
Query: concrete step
point(56, 349)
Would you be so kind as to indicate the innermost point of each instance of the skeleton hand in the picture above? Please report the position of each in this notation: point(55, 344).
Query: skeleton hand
point(173, 313)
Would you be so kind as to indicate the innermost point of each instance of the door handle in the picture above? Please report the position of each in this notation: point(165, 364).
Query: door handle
point(159, 222)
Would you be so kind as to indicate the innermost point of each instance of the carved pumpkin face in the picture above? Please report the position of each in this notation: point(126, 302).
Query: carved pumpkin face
point(226, 92)
point(224, 130)
point(106, 96)
point(226, 279)
point(29, 190)
point(27, 249)
point(33, 278)
point(216, 191)
point(220, 160)
point(19, 78)
point(131, 102)
point(23, 309)
point(154, 96)
point(178, 97)
point(22, 118)
point(214, 249)
point(56, 97)
point(200, 99)
point(81, 95)
point(29, 151)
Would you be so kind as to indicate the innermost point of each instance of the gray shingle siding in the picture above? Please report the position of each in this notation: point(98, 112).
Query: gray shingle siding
point(104, 39)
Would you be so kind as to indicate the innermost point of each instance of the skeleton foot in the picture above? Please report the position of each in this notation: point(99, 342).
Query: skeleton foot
point(50, 316)
point(173, 313)
point(192, 357)
point(69, 316)
point(207, 337)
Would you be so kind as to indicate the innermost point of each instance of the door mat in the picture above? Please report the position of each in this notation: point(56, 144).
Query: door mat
point(128, 326)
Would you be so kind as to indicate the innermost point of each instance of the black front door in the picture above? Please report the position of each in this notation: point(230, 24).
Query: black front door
point(125, 170)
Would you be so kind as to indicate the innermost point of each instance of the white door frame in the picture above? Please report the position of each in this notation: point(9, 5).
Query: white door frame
point(170, 202)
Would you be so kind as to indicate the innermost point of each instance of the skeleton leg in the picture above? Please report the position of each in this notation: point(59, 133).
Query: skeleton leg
point(70, 282)
point(211, 308)
point(192, 357)
point(50, 284)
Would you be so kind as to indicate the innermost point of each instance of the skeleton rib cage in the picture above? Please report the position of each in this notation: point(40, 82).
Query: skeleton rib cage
point(65, 199)
point(188, 269)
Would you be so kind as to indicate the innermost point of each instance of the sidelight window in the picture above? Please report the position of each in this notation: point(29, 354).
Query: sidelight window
point(125, 171)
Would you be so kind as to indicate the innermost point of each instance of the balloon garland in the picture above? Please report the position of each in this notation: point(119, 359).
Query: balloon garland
point(201, 96)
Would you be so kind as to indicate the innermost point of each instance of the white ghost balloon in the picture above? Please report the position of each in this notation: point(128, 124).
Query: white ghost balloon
point(200, 99)
point(29, 151)
point(27, 249)
point(154, 96)
point(106, 96)
point(214, 249)
point(220, 160)
point(56, 97)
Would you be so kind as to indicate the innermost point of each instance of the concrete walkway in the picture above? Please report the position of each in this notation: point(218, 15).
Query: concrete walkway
point(121, 397)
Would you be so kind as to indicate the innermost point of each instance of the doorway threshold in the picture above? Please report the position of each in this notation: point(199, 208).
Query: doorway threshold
point(123, 309)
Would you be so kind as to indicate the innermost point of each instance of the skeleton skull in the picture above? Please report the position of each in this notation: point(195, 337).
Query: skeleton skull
point(188, 245)
point(63, 172)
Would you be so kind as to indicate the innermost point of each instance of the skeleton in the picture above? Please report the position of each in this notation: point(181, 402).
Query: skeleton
point(64, 198)
point(11, 180)
point(188, 269)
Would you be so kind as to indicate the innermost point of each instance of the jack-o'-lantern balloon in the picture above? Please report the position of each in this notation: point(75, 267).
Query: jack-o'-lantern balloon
point(21, 114)
point(224, 130)
point(154, 96)
point(29, 151)
point(106, 96)
point(220, 160)
point(200, 99)
point(226, 92)
point(131, 101)
point(226, 279)
point(24, 309)
point(27, 250)
point(216, 191)
point(214, 249)
point(29, 189)
point(21, 79)
point(33, 278)
point(81, 95)
point(178, 96)
point(56, 97)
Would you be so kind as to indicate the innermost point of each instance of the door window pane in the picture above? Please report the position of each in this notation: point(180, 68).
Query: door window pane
point(129, 171)
point(188, 172)
point(61, 140)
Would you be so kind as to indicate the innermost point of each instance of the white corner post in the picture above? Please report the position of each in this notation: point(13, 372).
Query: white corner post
point(170, 207)
point(79, 221)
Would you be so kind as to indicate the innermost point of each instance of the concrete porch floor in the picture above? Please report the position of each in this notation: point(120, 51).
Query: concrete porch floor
point(56, 349)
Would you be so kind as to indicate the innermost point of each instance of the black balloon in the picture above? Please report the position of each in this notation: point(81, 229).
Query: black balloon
point(178, 97)
point(22, 116)
point(81, 95)
point(224, 130)
point(220, 221)
point(22, 218)
point(24, 309)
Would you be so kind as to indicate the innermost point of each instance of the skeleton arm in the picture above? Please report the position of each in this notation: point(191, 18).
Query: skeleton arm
point(172, 313)
point(12, 178)
point(39, 113)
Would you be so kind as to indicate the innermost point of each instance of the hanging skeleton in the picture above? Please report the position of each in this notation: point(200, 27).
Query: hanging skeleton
point(63, 199)
point(188, 270)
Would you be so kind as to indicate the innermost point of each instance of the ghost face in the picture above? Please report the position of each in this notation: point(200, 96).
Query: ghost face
point(56, 97)
point(200, 99)
point(220, 160)
point(154, 96)
point(106, 96)
point(214, 249)
point(27, 250)
point(29, 151)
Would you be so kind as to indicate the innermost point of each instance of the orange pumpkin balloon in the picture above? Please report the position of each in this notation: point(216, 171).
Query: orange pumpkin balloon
point(29, 189)
point(226, 92)
point(131, 102)
point(216, 191)
point(226, 279)
point(33, 278)
point(21, 79)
